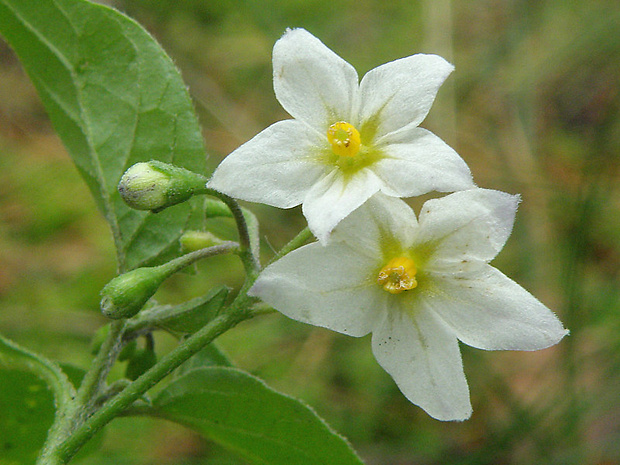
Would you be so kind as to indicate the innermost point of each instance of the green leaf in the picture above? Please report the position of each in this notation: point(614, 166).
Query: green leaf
point(26, 414)
point(240, 412)
point(115, 98)
point(192, 315)
point(14, 357)
point(141, 361)
point(32, 389)
point(210, 356)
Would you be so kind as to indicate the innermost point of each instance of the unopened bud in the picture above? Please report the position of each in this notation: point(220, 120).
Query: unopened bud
point(216, 209)
point(196, 240)
point(155, 185)
point(126, 294)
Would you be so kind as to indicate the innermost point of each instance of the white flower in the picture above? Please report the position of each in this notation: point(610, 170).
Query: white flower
point(349, 139)
point(418, 287)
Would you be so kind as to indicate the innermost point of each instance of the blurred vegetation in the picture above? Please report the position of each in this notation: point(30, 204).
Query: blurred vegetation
point(533, 107)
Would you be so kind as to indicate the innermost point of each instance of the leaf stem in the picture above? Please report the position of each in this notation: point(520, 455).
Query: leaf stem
point(100, 367)
point(188, 259)
point(237, 312)
point(250, 261)
point(300, 239)
point(78, 410)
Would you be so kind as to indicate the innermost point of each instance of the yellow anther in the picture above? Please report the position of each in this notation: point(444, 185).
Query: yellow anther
point(344, 138)
point(398, 275)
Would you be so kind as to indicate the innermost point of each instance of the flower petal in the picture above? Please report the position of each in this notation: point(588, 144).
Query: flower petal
point(311, 82)
point(329, 286)
point(488, 310)
point(334, 197)
point(276, 167)
point(381, 223)
point(399, 94)
point(424, 360)
point(467, 226)
point(422, 164)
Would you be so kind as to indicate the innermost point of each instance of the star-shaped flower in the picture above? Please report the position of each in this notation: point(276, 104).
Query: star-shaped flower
point(348, 139)
point(419, 287)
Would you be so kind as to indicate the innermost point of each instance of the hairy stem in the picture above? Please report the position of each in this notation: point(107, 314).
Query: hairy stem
point(300, 239)
point(250, 261)
point(169, 362)
point(78, 414)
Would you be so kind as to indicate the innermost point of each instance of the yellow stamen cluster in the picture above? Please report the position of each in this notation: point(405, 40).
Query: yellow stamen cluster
point(344, 139)
point(398, 275)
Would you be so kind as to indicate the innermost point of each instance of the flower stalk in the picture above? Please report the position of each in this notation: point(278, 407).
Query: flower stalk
point(127, 294)
point(116, 405)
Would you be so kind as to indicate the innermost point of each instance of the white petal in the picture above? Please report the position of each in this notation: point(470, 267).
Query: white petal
point(423, 164)
point(380, 224)
point(311, 82)
point(424, 359)
point(330, 286)
point(276, 167)
point(490, 311)
point(467, 226)
point(400, 93)
point(334, 197)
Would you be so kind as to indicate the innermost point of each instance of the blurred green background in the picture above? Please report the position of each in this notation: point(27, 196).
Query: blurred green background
point(533, 108)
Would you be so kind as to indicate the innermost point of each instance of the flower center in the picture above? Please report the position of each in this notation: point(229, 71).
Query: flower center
point(344, 138)
point(398, 275)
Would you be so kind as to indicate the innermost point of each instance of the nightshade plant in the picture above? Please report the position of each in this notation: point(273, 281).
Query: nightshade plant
point(418, 284)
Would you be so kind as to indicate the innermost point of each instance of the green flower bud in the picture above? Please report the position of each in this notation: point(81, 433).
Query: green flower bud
point(216, 209)
point(196, 240)
point(126, 294)
point(155, 185)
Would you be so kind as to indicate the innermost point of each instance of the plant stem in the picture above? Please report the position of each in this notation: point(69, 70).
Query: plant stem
point(237, 312)
point(250, 262)
point(100, 367)
point(188, 259)
point(300, 239)
point(78, 410)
